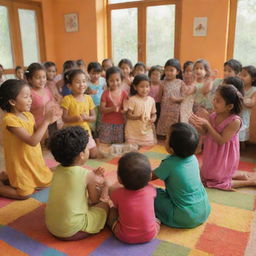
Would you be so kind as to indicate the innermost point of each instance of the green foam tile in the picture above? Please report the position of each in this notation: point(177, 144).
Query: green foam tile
point(231, 198)
point(155, 155)
point(166, 249)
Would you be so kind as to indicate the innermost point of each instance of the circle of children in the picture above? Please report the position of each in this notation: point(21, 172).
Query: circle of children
point(110, 104)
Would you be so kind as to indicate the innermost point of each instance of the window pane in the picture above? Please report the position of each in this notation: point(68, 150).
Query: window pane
point(29, 36)
point(245, 39)
point(124, 34)
point(160, 20)
point(120, 1)
point(5, 41)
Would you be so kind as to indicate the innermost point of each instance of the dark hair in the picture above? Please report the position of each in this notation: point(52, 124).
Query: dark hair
point(176, 64)
point(32, 69)
point(154, 68)
point(17, 68)
point(80, 62)
point(231, 95)
point(183, 139)
point(94, 66)
point(134, 170)
point(186, 64)
point(1, 66)
point(66, 144)
point(49, 64)
point(140, 64)
point(67, 65)
point(206, 66)
point(236, 81)
point(234, 64)
point(251, 70)
point(9, 90)
point(113, 70)
point(107, 60)
point(137, 79)
point(125, 61)
point(70, 75)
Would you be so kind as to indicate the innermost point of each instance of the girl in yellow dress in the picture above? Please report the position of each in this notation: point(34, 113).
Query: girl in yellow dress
point(25, 166)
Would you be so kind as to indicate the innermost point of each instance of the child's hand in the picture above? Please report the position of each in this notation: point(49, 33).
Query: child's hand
point(198, 121)
point(84, 117)
point(100, 171)
point(202, 112)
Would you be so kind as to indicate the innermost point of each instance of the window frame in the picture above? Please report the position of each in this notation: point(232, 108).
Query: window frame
point(15, 34)
point(142, 19)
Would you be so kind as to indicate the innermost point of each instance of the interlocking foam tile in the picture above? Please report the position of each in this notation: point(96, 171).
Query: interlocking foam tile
point(166, 249)
point(235, 199)
point(16, 209)
point(158, 183)
point(246, 166)
point(196, 252)
point(42, 195)
point(183, 237)
point(109, 167)
point(114, 160)
point(231, 217)
point(222, 241)
point(155, 155)
point(93, 163)
point(6, 249)
point(37, 230)
point(4, 202)
point(159, 149)
point(114, 247)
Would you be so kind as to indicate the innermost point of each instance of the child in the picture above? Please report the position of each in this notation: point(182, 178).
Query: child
point(154, 75)
point(184, 202)
point(73, 210)
point(106, 64)
point(81, 65)
point(78, 108)
point(19, 73)
point(96, 86)
point(2, 78)
point(24, 161)
point(51, 71)
point(112, 123)
point(235, 81)
point(141, 114)
point(132, 219)
point(139, 69)
point(126, 66)
point(186, 106)
point(171, 97)
point(248, 75)
point(221, 146)
point(42, 97)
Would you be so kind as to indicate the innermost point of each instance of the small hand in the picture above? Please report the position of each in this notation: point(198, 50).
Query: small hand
point(84, 117)
point(100, 171)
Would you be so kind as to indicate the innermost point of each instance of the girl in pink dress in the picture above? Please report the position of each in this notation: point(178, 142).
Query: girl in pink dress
point(171, 97)
point(126, 66)
point(221, 146)
point(42, 98)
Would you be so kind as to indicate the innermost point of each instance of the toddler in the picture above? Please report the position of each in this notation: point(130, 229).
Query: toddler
point(139, 69)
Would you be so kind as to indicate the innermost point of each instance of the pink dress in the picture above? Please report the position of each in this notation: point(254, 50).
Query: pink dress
point(220, 161)
point(39, 104)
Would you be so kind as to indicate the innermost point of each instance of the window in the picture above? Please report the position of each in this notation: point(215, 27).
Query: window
point(242, 42)
point(21, 37)
point(143, 30)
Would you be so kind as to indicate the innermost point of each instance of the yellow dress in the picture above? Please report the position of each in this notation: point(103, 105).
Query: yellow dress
point(76, 108)
point(25, 165)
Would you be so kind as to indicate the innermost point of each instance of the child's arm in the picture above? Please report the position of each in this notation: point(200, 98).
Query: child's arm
point(133, 117)
point(207, 86)
point(36, 137)
point(105, 109)
point(89, 118)
point(251, 102)
point(177, 99)
point(70, 119)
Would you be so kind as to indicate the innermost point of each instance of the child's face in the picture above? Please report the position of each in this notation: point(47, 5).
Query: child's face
point(139, 70)
point(155, 76)
point(78, 84)
point(125, 69)
point(38, 81)
point(20, 74)
point(107, 64)
point(228, 71)
point(245, 76)
point(114, 81)
point(220, 105)
point(94, 76)
point(51, 73)
point(188, 72)
point(143, 88)
point(199, 70)
point(170, 72)
point(23, 101)
point(85, 155)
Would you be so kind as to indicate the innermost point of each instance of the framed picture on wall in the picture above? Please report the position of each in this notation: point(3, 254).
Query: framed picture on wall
point(200, 26)
point(71, 22)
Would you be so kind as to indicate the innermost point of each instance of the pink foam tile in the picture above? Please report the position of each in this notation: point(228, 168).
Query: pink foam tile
point(5, 201)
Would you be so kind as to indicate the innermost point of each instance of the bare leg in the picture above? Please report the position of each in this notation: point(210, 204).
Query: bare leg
point(243, 183)
point(241, 175)
point(10, 192)
point(95, 153)
point(112, 217)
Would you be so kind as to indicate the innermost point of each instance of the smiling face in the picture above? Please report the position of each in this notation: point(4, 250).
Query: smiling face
point(199, 70)
point(114, 81)
point(143, 88)
point(23, 101)
point(94, 76)
point(126, 69)
point(38, 80)
point(155, 76)
point(228, 71)
point(245, 76)
point(51, 73)
point(78, 84)
point(170, 72)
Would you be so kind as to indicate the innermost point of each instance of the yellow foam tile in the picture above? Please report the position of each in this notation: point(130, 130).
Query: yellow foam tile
point(231, 217)
point(16, 209)
point(196, 252)
point(109, 167)
point(159, 149)
point(154, 163)
point(6, 249)
point(184, 237)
